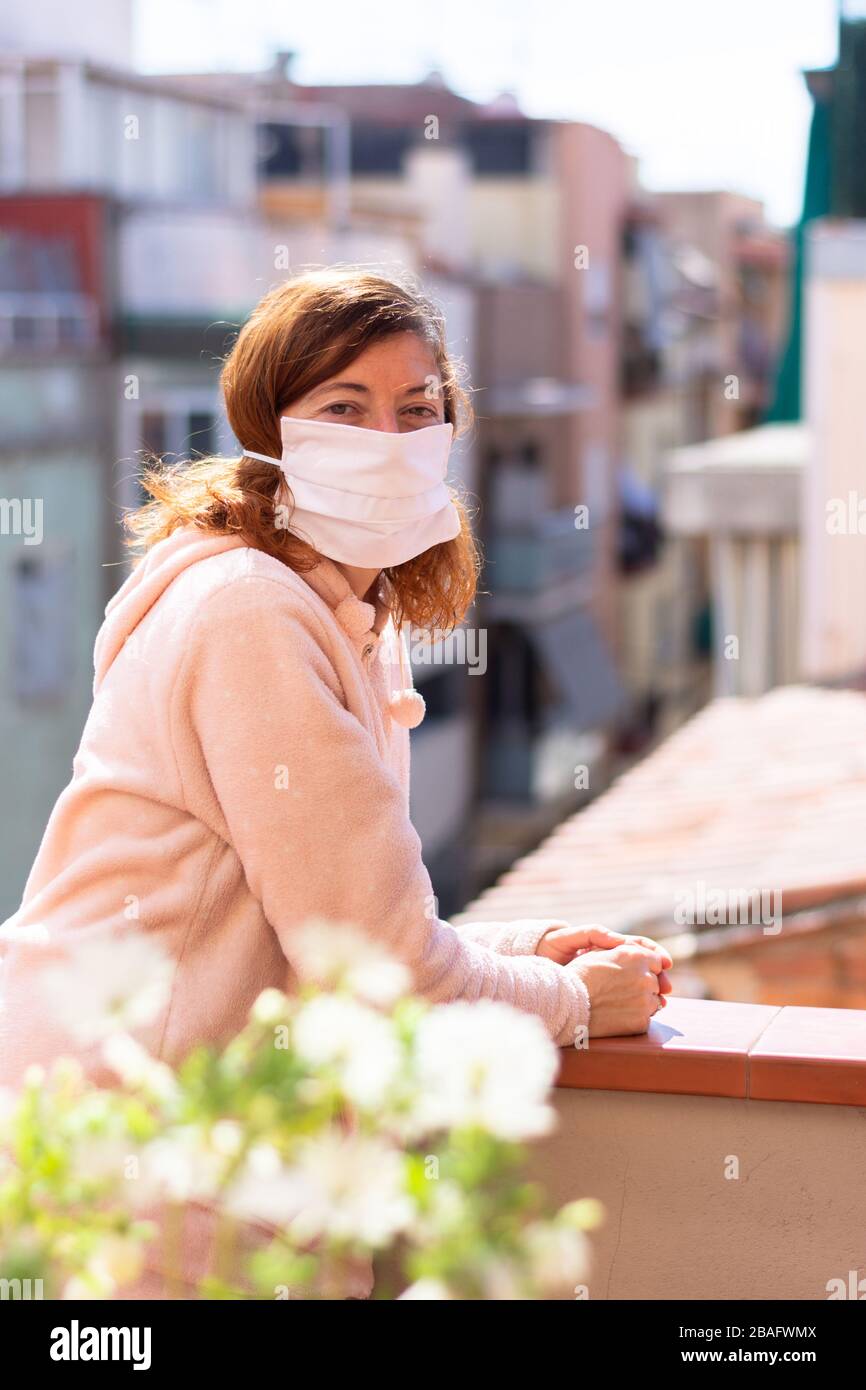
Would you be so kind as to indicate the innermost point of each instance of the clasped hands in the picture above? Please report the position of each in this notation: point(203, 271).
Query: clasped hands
point(626, 976)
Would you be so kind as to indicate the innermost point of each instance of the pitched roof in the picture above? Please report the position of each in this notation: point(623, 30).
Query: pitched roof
point(750, 795)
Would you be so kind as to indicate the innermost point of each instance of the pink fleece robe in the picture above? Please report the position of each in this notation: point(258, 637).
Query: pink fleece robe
point(240, 773)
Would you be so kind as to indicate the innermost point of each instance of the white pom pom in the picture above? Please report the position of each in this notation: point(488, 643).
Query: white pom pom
point(407, 708)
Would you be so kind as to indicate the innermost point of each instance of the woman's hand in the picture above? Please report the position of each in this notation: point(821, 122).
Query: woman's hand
point(626, 986)
point(626, 976)
point(563, 943)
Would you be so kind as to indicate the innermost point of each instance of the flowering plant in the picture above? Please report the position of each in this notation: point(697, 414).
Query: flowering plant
point(347, 1123)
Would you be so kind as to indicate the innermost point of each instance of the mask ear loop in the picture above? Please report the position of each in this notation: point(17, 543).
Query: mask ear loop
point(263, 458)
point(268, 458)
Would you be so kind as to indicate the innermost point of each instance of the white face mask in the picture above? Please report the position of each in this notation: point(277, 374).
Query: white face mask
point(367, 497)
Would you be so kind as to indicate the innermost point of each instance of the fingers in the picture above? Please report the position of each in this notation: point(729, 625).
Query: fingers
point(655, 980)
point(603, 938)
point(654, 958)
point(651, 945)
point(563, 943)
point(597, 937)
point(589, 938)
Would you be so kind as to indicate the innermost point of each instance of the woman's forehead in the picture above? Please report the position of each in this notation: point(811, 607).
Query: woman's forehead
point(403, 360)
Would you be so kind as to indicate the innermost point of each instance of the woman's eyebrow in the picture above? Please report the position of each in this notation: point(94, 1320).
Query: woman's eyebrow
point(419, 390)
point(341, 386)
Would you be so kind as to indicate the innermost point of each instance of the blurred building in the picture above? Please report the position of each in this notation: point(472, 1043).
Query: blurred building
point(741, 265)
point(107, 195)
point(781, 509)
point(55, 385)
point(704, 318)
point(101, 31)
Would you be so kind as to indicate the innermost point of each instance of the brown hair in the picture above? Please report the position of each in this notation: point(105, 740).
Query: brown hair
point(299, 335)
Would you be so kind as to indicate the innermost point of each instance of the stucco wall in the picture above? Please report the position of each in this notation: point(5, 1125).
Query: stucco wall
point(678, 1227)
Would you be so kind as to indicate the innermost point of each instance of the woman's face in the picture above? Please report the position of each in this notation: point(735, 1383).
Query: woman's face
point(392, 386)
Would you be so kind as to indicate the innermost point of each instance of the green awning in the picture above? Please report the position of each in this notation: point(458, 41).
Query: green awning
point(787, 402)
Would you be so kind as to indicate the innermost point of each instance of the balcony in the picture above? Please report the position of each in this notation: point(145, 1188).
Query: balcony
point(742, 494)
point(167, 281)
point(48, 325)
point(726, 1146)
point(164, 275)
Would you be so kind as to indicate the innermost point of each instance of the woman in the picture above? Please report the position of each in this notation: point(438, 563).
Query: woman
point(244, 767)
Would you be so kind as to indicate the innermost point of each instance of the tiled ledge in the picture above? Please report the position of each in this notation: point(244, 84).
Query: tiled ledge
point(750, 1051)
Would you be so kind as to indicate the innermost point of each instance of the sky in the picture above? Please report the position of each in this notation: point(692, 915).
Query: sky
point(707, 93)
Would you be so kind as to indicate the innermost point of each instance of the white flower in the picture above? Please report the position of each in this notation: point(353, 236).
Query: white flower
point(558, 1256)
point(181, 1166)
point(335, 954)
point(339, 1187)
point(227, 1136)
point(264, 1190)
point(78, 1289)
point(584, 1214)
point(138, 1067)
point(484, 1064)
point(333, 1031)
point(118, 1260)
point(427, 1289)
point(116, 984)
point(502, 1282)
point(103, 1157)
point(353, 1190)
point(68, 1076)
point(445, 1212)
point(270, 1007)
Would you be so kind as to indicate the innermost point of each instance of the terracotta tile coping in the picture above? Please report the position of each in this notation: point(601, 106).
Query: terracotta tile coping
point(750, 1051)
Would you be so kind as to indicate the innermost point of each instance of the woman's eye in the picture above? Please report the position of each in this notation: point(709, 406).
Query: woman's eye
point(339, 408)
point(422, 412)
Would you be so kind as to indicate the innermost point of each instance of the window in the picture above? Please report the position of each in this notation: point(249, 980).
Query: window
point(170, 425)
point(512, 687)
point(202, 432)
point(153, 432)
point(177, 433)
point(291, 151)
point(25, 331)
point(443, 694)
point(380, 149)
point(43, 616)
point(499, 147)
